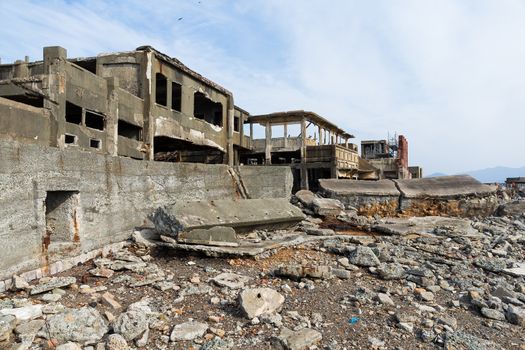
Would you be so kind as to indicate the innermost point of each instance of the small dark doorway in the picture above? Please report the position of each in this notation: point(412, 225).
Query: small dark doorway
point(62, 217)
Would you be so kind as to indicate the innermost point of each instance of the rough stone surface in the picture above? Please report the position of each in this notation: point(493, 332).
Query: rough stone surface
point(363, 256)
point(231, 280)
point(259, 301)
point(188, 331)
point(327, 207)
point(516, 315)
point(78, 325)
point(24, 313)
point(299, 271)
point(298, 340)
point(116, 342)
point(55, 282)
point(69, 346)
point(132, 323)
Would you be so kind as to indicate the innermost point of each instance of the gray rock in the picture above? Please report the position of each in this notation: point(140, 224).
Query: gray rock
point(301, 339)
point(391, 271)
point(217, 344)
point(7, 324)
point(448, 321)
point(78, 325)
point(462, 340)
point(327, 207)
point(385, 299)
point(26, 332)
point(55, 282)
point(492, 314)
point(132, 324)
point(230, 280)
point(24, 313)
point(19, 283)
point(342, 273)
point(220, 236)
point(516, 315)
point(319, 232)
point(116, 342)
point(259, 301)
point(69, 346)
point(492, 265)
point(299, 271)
point(188, 331)
point(363, 256)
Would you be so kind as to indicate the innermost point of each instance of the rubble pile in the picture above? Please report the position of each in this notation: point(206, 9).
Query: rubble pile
point(350, 282)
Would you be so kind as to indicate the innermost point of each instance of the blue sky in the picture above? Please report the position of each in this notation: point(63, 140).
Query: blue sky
point(448, 74)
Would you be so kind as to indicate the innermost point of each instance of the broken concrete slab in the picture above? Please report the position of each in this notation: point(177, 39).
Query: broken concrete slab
point(514, 208)
point(297, 340)
point(55, 282)
point(258, 301)
point(518, 271)
point(368, 197)
point(220, 236)
point(427, 225)
point(305, 197)
point(242, 215)
point(327, 207)
point(298, 271)
point(458, 195)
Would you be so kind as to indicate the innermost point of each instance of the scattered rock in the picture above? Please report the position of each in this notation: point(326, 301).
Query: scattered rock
point(363, 256)
point(299, 340)
point(116, 342)
point(259, 301)
point(188, 331)
point(298, 271)
point(77, 325)
point(230, 280)
point(55, 282)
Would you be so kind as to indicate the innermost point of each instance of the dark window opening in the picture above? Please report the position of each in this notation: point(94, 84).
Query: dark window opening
point(61, 217)
point(73, 113)
point(89, 65)
point(207, 110)
point(94, 143)
point(168, 149)
point(176, 96)
point(161, 90)
point(30, 100)
point(70, 139)
point(128, 130)
point(236, 122)
point(94, 120)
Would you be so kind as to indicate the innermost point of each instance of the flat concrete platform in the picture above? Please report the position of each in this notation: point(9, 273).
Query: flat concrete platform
point(243, 215)
point(359, 187)
point(444, 187)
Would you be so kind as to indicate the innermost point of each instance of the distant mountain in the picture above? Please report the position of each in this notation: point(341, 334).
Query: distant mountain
point(490, 175)
point(436, 175)
point(497, 174)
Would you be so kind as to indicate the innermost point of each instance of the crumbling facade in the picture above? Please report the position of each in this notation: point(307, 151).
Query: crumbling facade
point(516, 184)
point(390, 158)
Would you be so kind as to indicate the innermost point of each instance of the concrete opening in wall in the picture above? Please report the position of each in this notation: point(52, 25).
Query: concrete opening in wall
point(129, 130)
point(88, 64)
point(94, 120)
point(176, 96)
point(236, 124)
point(73, 113)
point(70, 139)
point(27, 99)
point(62, 225)
point(95, 143)
point(161, 89)
point(168, 149)
point(206, 109)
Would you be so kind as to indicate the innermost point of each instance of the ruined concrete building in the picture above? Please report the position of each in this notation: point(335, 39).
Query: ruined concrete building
point(390, 158)
point(90, 147)
point(517, 184)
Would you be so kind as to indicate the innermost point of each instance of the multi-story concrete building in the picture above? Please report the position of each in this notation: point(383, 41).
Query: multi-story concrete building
point(140, 104)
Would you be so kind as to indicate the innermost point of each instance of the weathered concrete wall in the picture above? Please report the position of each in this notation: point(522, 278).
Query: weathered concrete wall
point(113, 194)
point(461, 196)
point(267, 181)
point(19, 121)
point(105, 197)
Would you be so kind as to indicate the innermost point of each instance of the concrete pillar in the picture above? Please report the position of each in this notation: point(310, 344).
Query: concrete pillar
point(346, 142)
point(20, 69)
point(251, 135)
point(320, 130)
point(55, 60)
point(285, 127)
point(304, 170)
point(229, 122)
point(148, 80)
point(111, 145)
point(268, 144)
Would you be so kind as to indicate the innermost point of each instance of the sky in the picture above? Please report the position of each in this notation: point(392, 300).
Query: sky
point(447, 74)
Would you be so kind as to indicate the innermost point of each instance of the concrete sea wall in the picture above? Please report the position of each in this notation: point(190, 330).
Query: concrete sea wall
point(57, 203)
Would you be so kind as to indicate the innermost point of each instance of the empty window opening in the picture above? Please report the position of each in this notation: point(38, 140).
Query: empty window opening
point(161, 89)
point(73, 113)
point(206, 109)
point(94, 143)
point(61, 217)
point(176, 96)
point(236, 124)
point(70, 139)
point(129, 130)
point(94, 120)
point(35, 101)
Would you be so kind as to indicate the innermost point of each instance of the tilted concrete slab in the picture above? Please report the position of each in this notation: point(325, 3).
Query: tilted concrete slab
point(427, 225)
point(444, 187)
point(242, 215)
